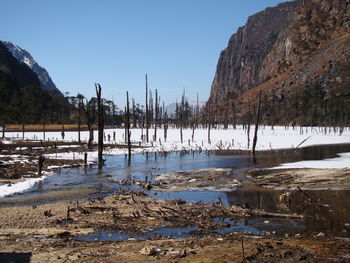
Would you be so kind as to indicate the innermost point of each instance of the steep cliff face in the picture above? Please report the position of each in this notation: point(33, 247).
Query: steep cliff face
point(240, 64)
point(298, 54)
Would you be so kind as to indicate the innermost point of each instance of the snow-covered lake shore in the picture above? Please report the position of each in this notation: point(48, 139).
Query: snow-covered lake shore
point(278, 137)
point(220, 139)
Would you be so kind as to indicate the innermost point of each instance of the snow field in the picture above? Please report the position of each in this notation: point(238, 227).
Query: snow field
point(220, 139)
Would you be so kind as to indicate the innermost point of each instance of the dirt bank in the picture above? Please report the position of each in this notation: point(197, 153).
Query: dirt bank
point(46, 233)
point(305, 178)
point(204, 179)
point(227, 248)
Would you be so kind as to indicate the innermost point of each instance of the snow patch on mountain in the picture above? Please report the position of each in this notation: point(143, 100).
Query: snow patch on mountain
point(25, 57)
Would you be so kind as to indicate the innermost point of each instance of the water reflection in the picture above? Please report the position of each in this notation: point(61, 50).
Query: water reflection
point(329, 213)
point(325, 211)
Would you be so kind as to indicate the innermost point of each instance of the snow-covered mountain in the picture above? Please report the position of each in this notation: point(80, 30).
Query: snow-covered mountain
point(171, 108)
point(25, 57)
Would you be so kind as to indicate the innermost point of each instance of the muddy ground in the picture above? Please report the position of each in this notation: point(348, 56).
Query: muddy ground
point(203, 179)
point(19, 160)
point(305, 178)
point(48, 233)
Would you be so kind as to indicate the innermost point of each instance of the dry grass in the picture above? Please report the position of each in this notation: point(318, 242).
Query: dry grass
point(48, 127)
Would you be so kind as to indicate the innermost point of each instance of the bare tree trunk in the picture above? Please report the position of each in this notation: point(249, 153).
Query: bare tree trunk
point(91, 136)
point(113, 113)
point(125, 126)
point(62, 122)
point(248, 129)
point(156, 120)
point(23, 130)
point(100, 118)
point(181, 122)
point(195, 121)
point(40, 164)
point(128, 127)
point(209, 123)
point(165, 126)
point(79, 119)
point(44, 130)
point(3, 130)
point(89, 110)
point(256, 125)
point(147, 114)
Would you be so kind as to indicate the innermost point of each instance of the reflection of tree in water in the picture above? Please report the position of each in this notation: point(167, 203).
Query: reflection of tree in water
point(325, 210)
point(266, 200)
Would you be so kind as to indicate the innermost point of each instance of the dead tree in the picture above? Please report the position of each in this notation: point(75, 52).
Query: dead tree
point(80, 103)
point(100, 119)
point(89, 110)
point(3, 130)
point(209, 122)
point(128, 126)
point(156, 117)
point(62, 121)
point(195, 119)
point(248, 128)
point(113, 113)
point(181, 121)
point(256, 125)
point(44, 130)
point(23, 130)
point(165, 125)
point(40, 164)
point(147, 113)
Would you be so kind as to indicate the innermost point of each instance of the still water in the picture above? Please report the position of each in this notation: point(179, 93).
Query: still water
point(328, 214)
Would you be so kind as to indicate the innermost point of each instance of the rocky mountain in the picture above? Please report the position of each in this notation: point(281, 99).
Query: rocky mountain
point(22, 98)
point(297, 54)
point(25, 57)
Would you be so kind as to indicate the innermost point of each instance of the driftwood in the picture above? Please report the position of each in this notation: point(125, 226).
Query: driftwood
point(278, 215)
point(302, 142)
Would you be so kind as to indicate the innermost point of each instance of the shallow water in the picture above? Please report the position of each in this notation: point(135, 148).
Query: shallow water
point(76, 183)
point(328, 215)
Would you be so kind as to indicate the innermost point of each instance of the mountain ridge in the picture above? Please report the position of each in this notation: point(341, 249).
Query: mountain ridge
point(303, 69)
point(25, 57)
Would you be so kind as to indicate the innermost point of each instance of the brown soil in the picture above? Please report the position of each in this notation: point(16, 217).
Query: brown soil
point(204, 179)
point(25, 162)
point(22, 161)
point(48, 127)
point(302, 177)
point(46, 234)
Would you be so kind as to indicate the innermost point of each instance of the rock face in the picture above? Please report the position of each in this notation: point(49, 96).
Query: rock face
point(240, 64)
point(287, 51)
point(25, 57)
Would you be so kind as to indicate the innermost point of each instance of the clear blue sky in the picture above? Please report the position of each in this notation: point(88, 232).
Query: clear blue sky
point(115, 42)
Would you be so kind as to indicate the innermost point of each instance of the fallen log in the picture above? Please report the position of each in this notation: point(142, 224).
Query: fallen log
point(278, 215)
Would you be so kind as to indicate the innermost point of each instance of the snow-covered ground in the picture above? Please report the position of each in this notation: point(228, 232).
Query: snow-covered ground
point(10, 189)
point(342, 161)
point(229, 139)
point(234, 139)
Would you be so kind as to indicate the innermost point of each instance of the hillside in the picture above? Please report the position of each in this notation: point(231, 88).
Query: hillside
point(21, 97)
point(25, 57)
point(297, 54)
